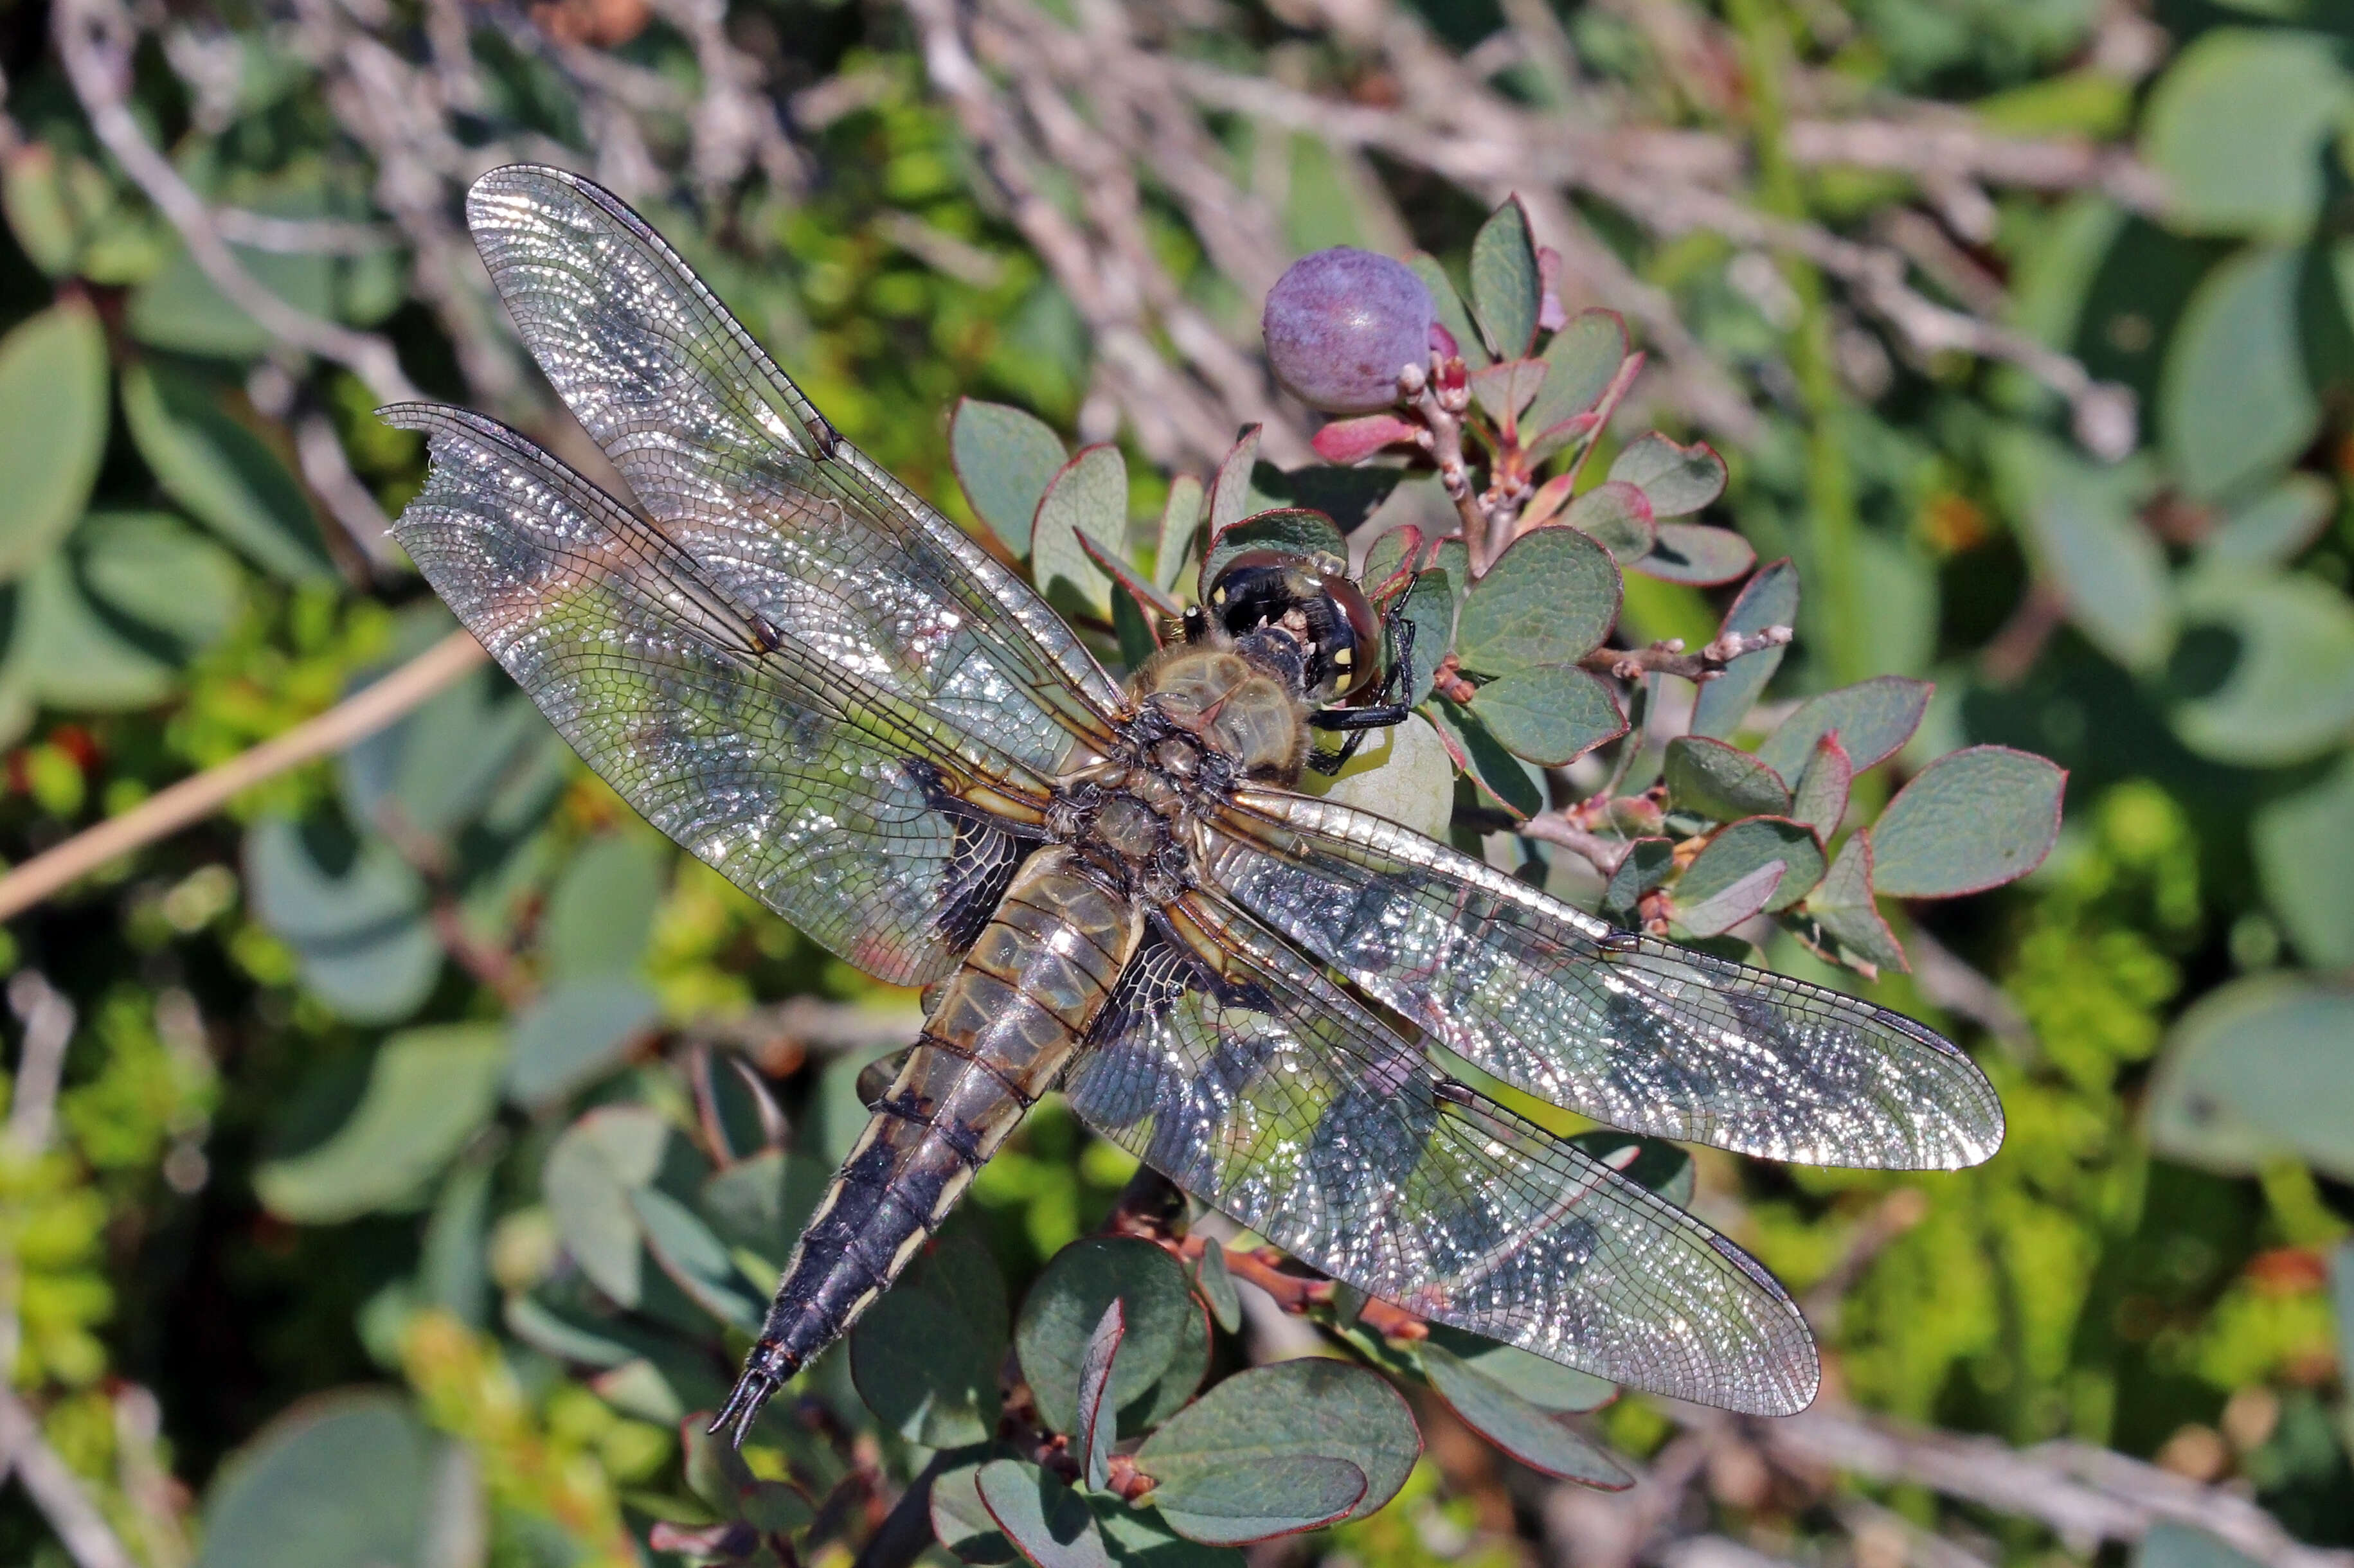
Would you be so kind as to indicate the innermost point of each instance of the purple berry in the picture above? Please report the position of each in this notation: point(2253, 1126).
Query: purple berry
point(1340, 326)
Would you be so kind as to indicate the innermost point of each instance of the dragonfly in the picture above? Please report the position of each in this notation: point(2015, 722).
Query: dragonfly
point(822, 687)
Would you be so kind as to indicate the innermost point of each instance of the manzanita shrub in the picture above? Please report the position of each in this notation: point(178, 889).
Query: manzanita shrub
point(1104, 1417)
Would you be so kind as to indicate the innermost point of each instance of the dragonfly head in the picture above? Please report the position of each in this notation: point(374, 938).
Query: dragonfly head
point(1302, 616)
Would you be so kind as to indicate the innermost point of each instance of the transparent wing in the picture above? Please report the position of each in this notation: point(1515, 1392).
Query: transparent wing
point(815, 774)
point(1631, 1031)
point(777, 510)
point(1264, 1090)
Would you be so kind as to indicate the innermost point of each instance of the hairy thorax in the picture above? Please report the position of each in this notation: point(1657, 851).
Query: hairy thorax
point(1205, 718)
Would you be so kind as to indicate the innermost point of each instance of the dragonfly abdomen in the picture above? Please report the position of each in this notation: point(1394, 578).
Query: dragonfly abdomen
point(1003, 1028)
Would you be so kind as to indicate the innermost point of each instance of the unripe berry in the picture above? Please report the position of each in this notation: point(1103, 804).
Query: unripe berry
point(1341, 323)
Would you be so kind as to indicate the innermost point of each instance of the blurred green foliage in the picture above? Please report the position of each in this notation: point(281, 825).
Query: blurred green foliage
point(326, 1047)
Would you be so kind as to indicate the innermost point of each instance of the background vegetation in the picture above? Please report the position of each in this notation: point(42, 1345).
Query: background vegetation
point(2026, 330)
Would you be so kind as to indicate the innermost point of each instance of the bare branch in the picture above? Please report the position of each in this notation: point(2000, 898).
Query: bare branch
point(193, 800)
point(94, 40)
point(48, 1021)
point(1668, 658)
point(80, 1528)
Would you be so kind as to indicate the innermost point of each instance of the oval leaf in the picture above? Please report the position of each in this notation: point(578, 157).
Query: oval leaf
point(1234, 1501)
point(1090, 491)
point(2233, 403)
point(1506, 286)
point(1005, 458)
point(428, 1090)
point(1550, 599)
point(601, 910)
point(1873, 718)
point(2234, 131)
point(1064, 1307)
point(1769, 598)
point(1821, 799)
point(1311, 1407)
point(1046, 1521)
point(962, 1523)
point(1676, 479)
point(1972, 819)
point(1619, 516)
point(223, 474)
point(2289, 694)
point(1447, 308)
point(287, 1499)
point(1721, 782)
point(695, 1260)
point(2256, 1071)
point(53, 405)
point(1698, 554)
point(1581, 361)
point(926, 1357)
point(1550, 716)
point(1230, 488)
point(1098, 1419)
point(1537, 1439)
point(1547, 1384)
point(1741, 848)
point(2304, 846)
point(574, 1033)
point(1842, 906)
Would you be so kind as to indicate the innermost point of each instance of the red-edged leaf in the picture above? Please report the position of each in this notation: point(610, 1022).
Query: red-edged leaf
point(1728, 906)
point(1842, 905)
point(1617, 517)
point(1612, 395)
point(1821, 799)
point(1545, 505)
point(1346, 441)
point(1148, 598)
point(1230, 489)
point(1553, 438)
point(1098, 1422)
point(1696, 554)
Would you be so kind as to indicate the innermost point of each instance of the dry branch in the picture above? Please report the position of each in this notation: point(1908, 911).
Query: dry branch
point(195, 799)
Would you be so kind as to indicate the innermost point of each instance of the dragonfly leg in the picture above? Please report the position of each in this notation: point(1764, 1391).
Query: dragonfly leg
point(1388, 710)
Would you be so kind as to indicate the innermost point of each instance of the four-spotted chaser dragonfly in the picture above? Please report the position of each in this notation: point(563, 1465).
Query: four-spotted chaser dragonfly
point(820, 685)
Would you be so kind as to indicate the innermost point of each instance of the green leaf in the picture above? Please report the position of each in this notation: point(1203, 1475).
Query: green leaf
point(1098, 1421)
point(179, 589)
point(1068, 1300)
point(1696, 554)
point(428, 1090)
point(1430, 605)
point(587, 1181)
point(1714, 912)
point(2233, 404)
point(2289, 694)
point(1843, 906)
point(1090, 491)
point(1547, 1384)
point(287, 1499)
point(574, 1033)
point(2256, 1071)
point(1550, 599)
point(962, 1523)
point(695, 1260)
point(1047, 1522)
point(2275, 526)
point(1234, 1502)
point(761, 1203)
point(1581, 361)
point(1769, 598)
point(1005, 458)
point(1217, 1288)
point(1180, 522)
point(601, 910)
point(1447, 308)
point(53, 406)
point(1721, 782)
point(1140, 1538)
point(1820, 801)
point(1537, 1439)
point(1290, 530)
point(476, 753)
point(1506, 286)
point(1402, 772)
point(1873, 718)
point(1346, 495)
point(1679, 479)
point(2235, 128)
point(69, 653)
point(2304, 846)
point(1972, 819)
point(926, 1355)
point(2083, 528)
point(1495, 770)
point(1503, 390)
point(222, 473)
point(360, 934)
point(1646, 866)
point(1387, 559)
point(1740, 848)
point(1550, 716)
point(1617, 517)
point(1230, 488)
point(1315, 1407)
point(179, 310)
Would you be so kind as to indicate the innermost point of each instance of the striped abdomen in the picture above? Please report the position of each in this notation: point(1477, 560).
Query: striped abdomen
point(1005, 1025)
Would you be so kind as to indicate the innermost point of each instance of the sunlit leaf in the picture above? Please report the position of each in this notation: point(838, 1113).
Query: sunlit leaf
point(2236, 126)
point(287, 1499)
point(2234, 404)
point(2304, 846)
point(1678, 480)
point(1309, 1409)
point(1873, 718)
point(1005, 458)
point(1550, 599)
point(1537, 1439)
point(576, 1032)
point(1972, 819)
point(225, 475)
point(1721, 782)
point(1741, 848)
point(1550, 716)
point(53, 406)
point(1067, 1302)
point(1769, 598)
point(2255, 1072)
point(1090, 491)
